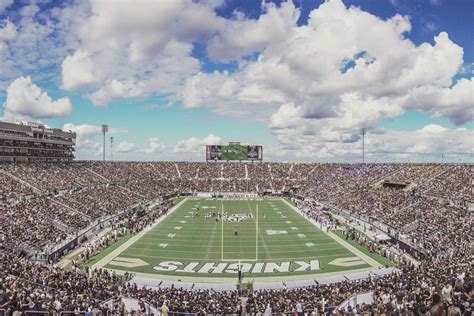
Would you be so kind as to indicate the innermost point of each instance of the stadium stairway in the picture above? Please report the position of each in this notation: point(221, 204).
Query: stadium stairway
point(437, 176)
point(131, 305)
point(131, 192)
point(71, 208)
point(99, 175)
point(60, 225)
point(177, 170)
point(359, 299)
point(378, 184)
point(35, 189)
point(290, 171)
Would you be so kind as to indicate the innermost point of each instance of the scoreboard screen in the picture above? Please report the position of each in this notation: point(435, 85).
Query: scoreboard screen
point(234, 152)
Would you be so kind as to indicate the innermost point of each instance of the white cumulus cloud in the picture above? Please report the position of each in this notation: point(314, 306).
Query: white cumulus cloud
point(332, 75)
point(78, 71)
point(138, 50)
point(125, 147)
point(26, 98)
point(244, 37)
point(4, 4)
point(195, 145)
point(154, 146)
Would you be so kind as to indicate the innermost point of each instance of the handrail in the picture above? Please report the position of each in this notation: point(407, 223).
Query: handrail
point(75, 313)
point(353, 300)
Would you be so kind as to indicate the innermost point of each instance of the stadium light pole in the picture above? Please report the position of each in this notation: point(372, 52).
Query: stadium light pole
point(111, 148)
point(363, 132)
point(105, 129)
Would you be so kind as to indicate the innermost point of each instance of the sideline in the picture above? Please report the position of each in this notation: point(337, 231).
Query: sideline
point(371, 262)
point(104, 261)
point(66, 261)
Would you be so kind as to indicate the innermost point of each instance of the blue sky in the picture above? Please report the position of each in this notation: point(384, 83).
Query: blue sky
point(300, 78)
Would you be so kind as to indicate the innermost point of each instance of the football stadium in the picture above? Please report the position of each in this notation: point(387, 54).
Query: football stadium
point(247, 158)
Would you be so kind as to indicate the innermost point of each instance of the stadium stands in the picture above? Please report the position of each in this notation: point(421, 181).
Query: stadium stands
point(430, 205)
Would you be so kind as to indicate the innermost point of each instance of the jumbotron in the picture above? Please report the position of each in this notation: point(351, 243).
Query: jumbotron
point(63, 223)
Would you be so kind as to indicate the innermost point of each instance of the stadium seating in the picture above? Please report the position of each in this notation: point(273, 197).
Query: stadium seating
point(42, 204)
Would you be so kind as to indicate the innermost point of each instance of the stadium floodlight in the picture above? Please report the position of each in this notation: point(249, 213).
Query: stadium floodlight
point(363, 132)
point(111, 148)
point(105, 129)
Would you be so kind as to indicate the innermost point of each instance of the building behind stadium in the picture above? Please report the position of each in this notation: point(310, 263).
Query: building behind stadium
point(35, 142)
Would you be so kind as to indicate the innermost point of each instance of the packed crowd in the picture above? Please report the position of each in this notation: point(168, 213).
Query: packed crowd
point(436, 286)
point(41, 204)
point(68, 196)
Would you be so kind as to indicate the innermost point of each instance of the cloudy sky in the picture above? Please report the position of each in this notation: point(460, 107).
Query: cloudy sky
point(299, 77)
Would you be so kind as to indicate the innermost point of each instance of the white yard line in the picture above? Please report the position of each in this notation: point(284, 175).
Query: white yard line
point(210, 241)
point(104, 261)
point(267, 251)
point(246, 260)
point(214, 252)
point(373, 263)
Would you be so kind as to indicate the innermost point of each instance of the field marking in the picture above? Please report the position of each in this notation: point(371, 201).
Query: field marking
point(243, 238)
point(259, 232)
point(256, 236)
point(285, 251)
point(333, 244)
point(104, 261)
point(189, 231)
point(246, 260)
point(371, 262)
point(347, 262)
point(273, 232)
point(128, 262)
point(190, 237)
point(222, 232)
point(257, 229)
point(210, 240)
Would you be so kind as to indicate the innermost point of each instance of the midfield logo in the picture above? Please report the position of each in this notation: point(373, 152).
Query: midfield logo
point(237, 217)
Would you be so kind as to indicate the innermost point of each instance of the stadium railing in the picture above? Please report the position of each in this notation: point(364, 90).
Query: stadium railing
point(92, 228)
point(365, 297)
point(36, 313)
point(75, 313)
point(382, 227)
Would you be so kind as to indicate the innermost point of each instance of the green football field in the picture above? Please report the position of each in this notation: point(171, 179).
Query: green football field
point(263, 238)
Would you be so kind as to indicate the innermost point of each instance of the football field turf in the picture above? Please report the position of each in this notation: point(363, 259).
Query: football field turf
point(262, 237)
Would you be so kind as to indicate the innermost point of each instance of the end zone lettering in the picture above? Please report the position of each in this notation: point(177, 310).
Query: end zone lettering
point(232, 268)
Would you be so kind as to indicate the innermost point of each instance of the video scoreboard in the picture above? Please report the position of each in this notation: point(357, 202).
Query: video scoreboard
point(234, 151)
